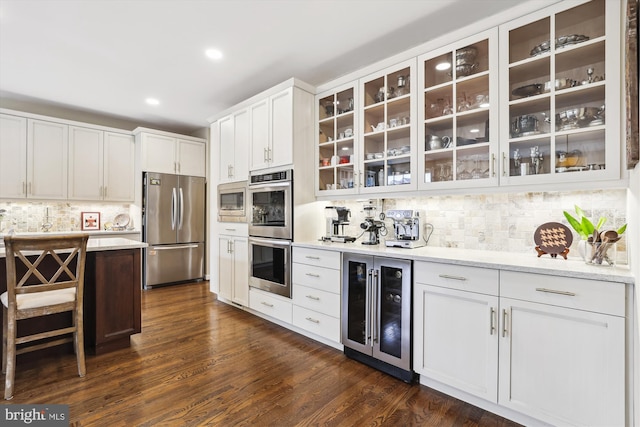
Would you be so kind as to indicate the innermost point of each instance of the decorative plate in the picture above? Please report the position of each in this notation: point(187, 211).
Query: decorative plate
point(121, 220)
point(553, 238)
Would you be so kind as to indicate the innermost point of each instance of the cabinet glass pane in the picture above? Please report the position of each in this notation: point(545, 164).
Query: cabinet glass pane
point(357, 301)
point(391, 296)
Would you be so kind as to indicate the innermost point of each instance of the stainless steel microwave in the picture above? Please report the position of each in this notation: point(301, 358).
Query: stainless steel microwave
point(232, 202)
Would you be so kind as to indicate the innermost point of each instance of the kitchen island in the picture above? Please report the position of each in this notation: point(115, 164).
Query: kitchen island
point(112, 286)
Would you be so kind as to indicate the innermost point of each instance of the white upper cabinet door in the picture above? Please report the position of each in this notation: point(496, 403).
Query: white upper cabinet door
point(47, 159)
point(119, 167)
point(13, 156)
point(158, 153)
point(225, 140)
point(259, 135)
point(85, 163)
point(191, 157)
point(281, 147)
point(241, 137)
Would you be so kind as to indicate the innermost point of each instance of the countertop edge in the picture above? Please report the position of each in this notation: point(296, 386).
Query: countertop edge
point(518, 262)
point(104, 244)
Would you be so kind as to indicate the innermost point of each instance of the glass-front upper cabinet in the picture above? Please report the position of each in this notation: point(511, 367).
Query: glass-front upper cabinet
point(458, 107)
point(337, 170)
point(387, 149)
point(561, 82)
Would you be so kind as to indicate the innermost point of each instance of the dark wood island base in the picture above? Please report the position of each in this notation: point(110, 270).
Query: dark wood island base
point(112, 308)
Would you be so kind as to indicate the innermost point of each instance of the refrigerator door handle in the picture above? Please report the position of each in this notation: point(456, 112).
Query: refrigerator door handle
point(181, 211)
point(367, 314)
point(375, 292)
point(166, 248)
point(173, 209)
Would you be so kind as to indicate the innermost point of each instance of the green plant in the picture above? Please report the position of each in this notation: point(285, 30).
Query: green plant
point(584, 226)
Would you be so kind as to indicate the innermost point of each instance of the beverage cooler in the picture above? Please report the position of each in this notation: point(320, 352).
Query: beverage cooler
point(376, 313)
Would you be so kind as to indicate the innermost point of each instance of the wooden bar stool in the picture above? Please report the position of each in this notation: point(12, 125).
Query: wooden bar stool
point(31, 294)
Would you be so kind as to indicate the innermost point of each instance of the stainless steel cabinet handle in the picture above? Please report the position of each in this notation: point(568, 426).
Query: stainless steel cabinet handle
point(168, 248)
point(264, 154)
point(312, 257)
point(310, 319)
point(492, 322)
point(504, 322)
point(230, 246)
point(267, 304)
point(504, 164)
point(553, 291)
point(315, 298)
point(312, 274)
point(374, 308)
point(367, 307)
point(229, 229)
point(493, 164)
point(447, 276)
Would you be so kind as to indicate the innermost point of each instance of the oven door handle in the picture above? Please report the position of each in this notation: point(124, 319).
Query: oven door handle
point(267, 185)
point(270, 242)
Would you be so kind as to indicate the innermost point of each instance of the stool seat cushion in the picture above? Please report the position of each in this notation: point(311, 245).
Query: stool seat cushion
point(41, 299)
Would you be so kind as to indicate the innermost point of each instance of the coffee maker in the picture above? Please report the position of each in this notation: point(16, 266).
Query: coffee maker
point(406, 229)
point(372, 227)
point(337, 217)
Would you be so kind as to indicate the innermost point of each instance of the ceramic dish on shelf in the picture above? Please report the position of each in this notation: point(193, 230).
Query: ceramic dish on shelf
point(121, 220)
point(528, 90)
point(561, 42)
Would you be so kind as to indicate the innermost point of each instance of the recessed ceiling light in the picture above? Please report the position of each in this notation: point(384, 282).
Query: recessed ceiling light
point(152, 101)
point(213, 54)
point(443, 66)
point(474, 131)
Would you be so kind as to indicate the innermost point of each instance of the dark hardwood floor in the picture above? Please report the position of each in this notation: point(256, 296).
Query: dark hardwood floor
point(200, 362)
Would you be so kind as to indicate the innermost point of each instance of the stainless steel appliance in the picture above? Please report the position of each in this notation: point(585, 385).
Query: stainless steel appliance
point(173, 224)
point(232, 200)
point(271, 231)
point(406, 228)
point(376, 313)
point(372, 227)
point(271, 200)
point(337, 217)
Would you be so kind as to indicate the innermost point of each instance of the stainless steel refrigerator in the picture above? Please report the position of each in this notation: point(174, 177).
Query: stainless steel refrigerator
point(173, 224)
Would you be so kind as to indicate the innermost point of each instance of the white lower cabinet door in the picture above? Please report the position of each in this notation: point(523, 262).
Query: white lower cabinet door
point(456, 339)
point(562, 366)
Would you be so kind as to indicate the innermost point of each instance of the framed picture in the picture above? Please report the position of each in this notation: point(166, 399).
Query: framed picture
point(90, 220)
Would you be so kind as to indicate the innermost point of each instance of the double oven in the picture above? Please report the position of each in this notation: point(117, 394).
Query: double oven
point(270, 197)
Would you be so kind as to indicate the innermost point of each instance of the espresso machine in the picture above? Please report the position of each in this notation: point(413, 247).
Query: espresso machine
point(406, 228)
point(372, 227)
point(337, 217)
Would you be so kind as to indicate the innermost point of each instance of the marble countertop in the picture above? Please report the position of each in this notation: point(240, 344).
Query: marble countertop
point(96, 233)
point(522, 262)
point(104, 244)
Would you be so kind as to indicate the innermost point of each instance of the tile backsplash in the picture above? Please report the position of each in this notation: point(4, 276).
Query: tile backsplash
point(501, 221)
point(64, 216)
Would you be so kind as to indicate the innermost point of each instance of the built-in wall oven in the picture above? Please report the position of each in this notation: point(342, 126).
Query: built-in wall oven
point(232, 201)
point(271, 231)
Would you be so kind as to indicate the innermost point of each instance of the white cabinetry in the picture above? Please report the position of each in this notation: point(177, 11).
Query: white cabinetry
point(550, 348)
point(562, 349)
point(270, 304)
point(455, 326)
point(560, 100)
point(47, 148)
point(233, 274)
point(233, 146)
point(13, 156)
point(316, 292)
point(101, 165)
point(165, 152)
point(275, 123)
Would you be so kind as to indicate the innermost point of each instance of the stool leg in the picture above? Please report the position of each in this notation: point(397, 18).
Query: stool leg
point(78, 341)
point(4, 339)
point(11, 355)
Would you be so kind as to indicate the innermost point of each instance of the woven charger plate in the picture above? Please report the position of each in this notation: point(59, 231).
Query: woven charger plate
point(553, 237)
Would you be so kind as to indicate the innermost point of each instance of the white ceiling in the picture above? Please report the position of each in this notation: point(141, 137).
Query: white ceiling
point(107, 56)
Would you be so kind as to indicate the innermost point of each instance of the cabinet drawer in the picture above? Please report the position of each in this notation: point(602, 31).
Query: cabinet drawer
point(582, 294)
point(325, 279)
point(472, 279)
point(317, 300)
point(319, 257)
point(233, 229)
point(270, 305)
point(318, 323)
